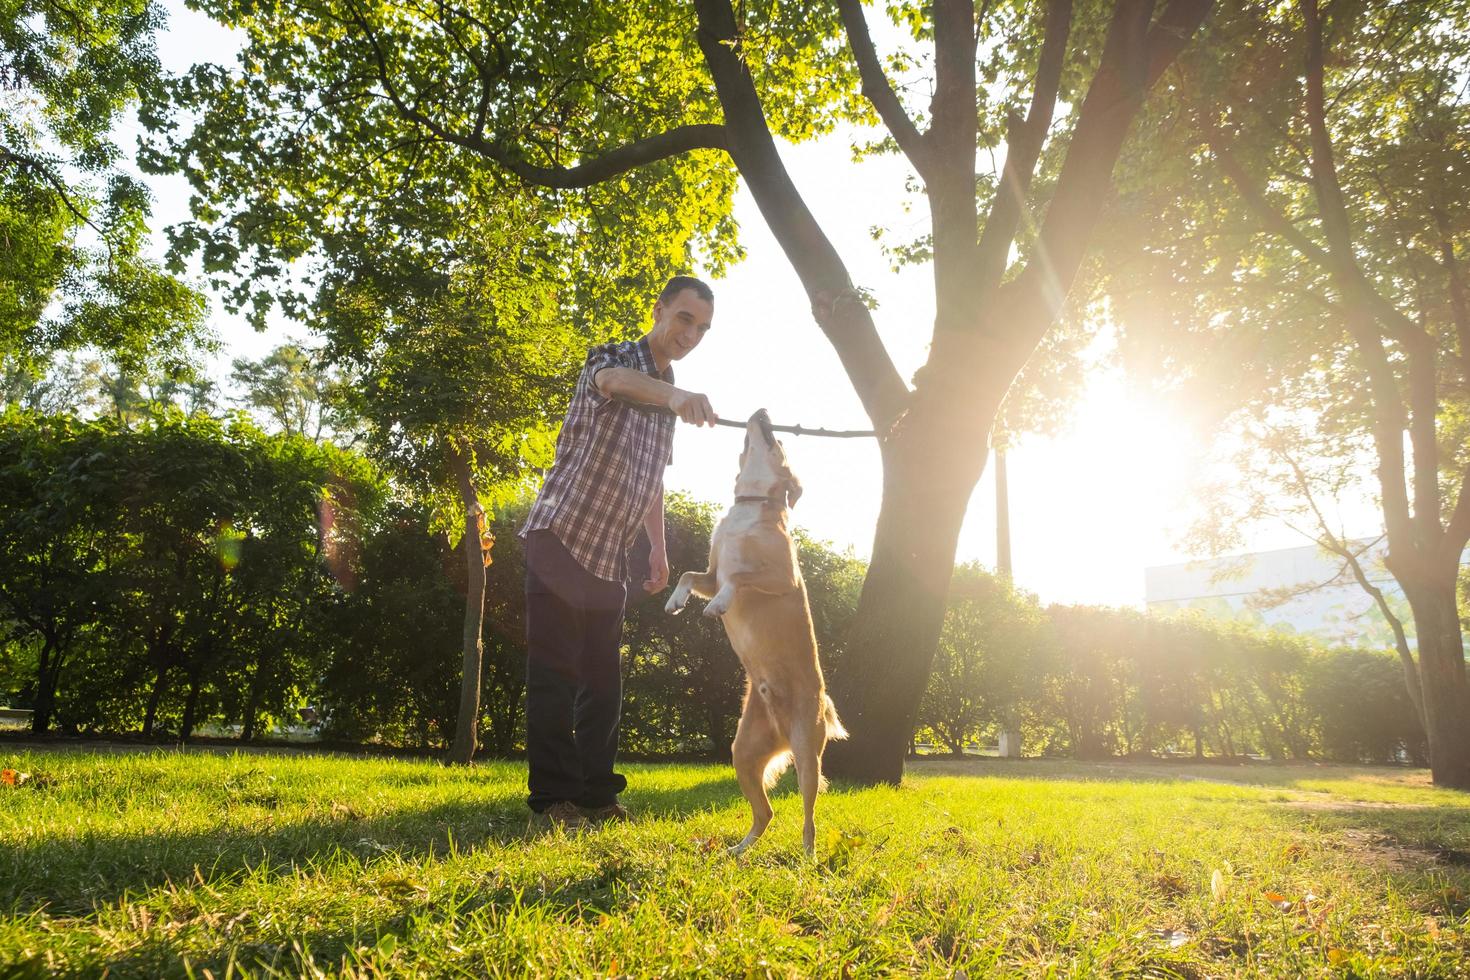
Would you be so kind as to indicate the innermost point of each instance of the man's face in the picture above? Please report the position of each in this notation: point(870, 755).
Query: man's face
point(681, 323)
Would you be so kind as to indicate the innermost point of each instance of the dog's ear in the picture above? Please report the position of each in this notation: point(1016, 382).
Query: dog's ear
point(793, 489)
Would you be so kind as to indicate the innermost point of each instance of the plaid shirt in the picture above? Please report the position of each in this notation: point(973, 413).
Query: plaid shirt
point(610, 459)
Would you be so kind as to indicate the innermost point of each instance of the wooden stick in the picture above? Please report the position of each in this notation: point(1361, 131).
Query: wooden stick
point(796, 430)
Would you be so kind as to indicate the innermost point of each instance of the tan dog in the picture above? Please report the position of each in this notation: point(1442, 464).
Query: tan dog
point(754, 583)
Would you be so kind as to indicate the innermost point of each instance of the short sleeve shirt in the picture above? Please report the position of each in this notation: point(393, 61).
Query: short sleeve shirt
point(610, 459)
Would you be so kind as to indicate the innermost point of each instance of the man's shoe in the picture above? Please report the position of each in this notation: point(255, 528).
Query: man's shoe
point(559, 816)
point(614, 812)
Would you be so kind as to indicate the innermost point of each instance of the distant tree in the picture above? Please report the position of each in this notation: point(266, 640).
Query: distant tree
point(57, 531)
point(685, 683)
point(1292, 474)
point(459, 306)
point(992, 661)
point(69, 386)
point(294, 392)
point(1364, 709)
point(394, 664)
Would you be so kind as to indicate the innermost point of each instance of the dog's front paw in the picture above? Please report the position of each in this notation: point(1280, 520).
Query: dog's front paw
point(715, 609)
point(675, 605)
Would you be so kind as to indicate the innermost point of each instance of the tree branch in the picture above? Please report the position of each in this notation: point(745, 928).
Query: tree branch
point(1457, 533)
point(1459, 296)
point(1340, 547)
point(650, 149)
point(590, 171)
point(951, 185)
point(877, 90)
point(1131, 56)
point(1255, 199)
point(38, 166)
point(1023, 148)
point(1170, 33)
point(842, 316)
point(1343, 265)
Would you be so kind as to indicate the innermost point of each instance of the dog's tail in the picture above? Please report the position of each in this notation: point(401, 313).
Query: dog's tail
point(829, 715)
point(778, 764)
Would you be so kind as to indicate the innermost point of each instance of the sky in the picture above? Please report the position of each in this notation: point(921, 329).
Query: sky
point(1090, 508)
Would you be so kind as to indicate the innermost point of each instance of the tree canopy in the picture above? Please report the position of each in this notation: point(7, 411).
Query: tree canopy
point(75, 270)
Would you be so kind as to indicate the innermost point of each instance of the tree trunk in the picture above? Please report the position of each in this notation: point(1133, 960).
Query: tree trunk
point(928, 476)
point(1446, 695)
point(719, 748)
point(150, 714)
point(466, 729)
point(47, 670)
point(191, 704)
point(252, 705)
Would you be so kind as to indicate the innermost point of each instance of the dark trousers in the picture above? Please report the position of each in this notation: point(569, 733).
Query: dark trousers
point(574, 682)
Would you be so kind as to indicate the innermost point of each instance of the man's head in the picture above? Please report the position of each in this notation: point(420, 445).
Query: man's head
point(681, 317)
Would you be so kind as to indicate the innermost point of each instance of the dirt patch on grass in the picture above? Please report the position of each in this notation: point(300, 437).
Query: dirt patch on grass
point(1335, 804)
point(1383, 851)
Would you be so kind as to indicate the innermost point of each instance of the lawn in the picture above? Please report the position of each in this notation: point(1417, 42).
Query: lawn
point(279, 865)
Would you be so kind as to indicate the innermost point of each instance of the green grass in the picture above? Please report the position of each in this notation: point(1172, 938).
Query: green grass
point(200, 865)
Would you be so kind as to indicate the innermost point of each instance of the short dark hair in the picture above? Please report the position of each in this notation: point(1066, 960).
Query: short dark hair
point(678, 284)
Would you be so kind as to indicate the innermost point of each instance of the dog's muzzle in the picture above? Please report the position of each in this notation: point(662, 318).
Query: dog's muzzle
point(762, 419)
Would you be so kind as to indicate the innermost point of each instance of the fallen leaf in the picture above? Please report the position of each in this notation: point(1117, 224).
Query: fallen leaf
point(1174, 937)
point(345, 811)
point(1282, 903)
point(1431, 926)
point(1336, 956)
point(1170, 884)
point(1217, 884)
point(400, 884)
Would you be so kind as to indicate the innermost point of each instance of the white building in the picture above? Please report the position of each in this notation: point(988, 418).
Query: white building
point(1303, 589)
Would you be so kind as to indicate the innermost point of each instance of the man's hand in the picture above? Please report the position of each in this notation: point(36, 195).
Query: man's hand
point(658, 570)
point(692, 407)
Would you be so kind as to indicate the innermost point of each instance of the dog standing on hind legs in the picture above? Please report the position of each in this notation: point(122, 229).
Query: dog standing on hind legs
point(754, 586)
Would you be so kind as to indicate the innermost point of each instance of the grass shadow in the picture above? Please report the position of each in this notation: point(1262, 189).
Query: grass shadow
point(73, 875)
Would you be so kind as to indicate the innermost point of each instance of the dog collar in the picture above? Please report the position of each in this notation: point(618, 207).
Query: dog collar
point(773, 499)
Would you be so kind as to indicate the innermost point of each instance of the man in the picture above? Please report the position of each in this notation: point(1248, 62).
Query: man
point(605, 486)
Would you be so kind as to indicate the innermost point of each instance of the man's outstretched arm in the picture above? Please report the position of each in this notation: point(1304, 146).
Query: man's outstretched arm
point(633, 385)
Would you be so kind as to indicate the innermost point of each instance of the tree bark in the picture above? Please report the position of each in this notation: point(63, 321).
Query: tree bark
point(48, 668)
point(1446, 695)
point(719, 748)
point(466, 729)
point(191, 705)
point(150, 714)
point(252, 705)
point(928, 476)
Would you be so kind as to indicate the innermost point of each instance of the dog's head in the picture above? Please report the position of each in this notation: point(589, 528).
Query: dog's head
point(763, 468)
